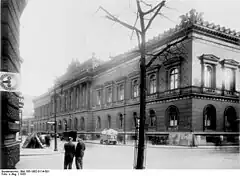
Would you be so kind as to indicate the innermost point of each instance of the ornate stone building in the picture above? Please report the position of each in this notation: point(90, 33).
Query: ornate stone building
point(192, 86)
point(10, 62)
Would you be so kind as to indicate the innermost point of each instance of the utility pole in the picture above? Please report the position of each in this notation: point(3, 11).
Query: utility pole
point(148, 17)
point(55, 120)
point(141, 35)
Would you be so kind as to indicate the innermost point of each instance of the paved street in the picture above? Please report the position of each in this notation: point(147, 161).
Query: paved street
point(121, 157)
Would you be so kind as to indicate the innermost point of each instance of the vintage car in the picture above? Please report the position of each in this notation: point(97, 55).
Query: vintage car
point(108, 136)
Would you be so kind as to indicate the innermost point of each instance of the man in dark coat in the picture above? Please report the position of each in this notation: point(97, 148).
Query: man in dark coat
point(80, 148)
point(69, 154)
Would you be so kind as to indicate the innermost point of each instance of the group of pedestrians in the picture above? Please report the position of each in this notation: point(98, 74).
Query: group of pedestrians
point(71, 151)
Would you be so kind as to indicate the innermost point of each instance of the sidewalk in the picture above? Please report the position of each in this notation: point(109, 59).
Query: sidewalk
point(50, 150)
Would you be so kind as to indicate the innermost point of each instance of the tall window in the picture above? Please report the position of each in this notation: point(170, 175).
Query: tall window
point(98, 123)
point(65, 125)
point(120, 121)
point(60, 125)
point(77, 98)
point(135, 119)
point(174, 78)
point(109, 95)
point(152, 84)
point(65, 102)
point(99, 97)
point(173, 116)
point(153, 119)
point(109, 121)
point(70, 124)
point(82, 123)
point(135, 88)
point(229, 79)
point(209, 118)
point(208, 78)
point(76, 124)
point(71, 100)
point(120, 92)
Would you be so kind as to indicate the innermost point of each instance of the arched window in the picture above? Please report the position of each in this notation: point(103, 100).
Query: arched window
point(65, 125)
point(135, 119)
point(153, 118)
point(152, 84)
point(60, 125)
point(98, 123)
point(230, 117)
point(208, 78)
point(76, 124)
point(135, 89)
point(120, 121)
point(70, 124)
point(109, 121)
point(174, 78)
point(172, 114)
point(209, 118)
point(82, 123)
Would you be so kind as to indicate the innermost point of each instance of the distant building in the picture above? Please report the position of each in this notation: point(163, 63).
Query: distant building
point(193, 87)
point(27, 125)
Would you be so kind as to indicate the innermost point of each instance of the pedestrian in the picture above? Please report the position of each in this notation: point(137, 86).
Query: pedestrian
point(69, 148)
point(80, 148)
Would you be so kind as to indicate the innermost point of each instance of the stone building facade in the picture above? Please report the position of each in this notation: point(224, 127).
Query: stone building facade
point(192, 86)
point(11, 11)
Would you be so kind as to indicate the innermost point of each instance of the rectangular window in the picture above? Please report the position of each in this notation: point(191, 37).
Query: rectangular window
point(120, 92)
point(99, 97)
point(135, 88)
point(229, 79)
point(109, 95)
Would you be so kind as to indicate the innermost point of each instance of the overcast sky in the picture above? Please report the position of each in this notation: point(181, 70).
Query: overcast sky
point(53, 32)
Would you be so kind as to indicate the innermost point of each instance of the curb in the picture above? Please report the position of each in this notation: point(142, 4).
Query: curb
point(175, 147)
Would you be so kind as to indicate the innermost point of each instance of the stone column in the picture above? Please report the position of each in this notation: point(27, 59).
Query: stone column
point(80, 96)
point(74, 98)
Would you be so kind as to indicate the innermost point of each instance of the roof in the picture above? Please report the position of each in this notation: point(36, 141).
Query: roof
point(189, 21)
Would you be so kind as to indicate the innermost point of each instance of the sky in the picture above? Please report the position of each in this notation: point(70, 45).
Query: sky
point(54, 32)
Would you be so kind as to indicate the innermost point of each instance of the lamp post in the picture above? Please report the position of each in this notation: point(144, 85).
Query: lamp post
point(124, 115)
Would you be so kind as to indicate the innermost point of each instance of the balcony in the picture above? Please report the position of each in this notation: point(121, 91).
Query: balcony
point(212, 91)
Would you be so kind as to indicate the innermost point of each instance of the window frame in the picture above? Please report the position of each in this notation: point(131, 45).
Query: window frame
point(108, 97)
point(152, 83)
point(135, 88)
point(120, 94)
point(176, 76)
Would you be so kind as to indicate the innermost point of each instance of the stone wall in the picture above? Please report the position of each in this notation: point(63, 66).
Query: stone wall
point(10, 62)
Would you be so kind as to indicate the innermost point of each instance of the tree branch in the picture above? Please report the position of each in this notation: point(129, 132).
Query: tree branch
point(149, 5)
point(134, 25)
point(167, 18)
point(155, 14)
point(113, 18)
point(165, 49)
point(154, 8)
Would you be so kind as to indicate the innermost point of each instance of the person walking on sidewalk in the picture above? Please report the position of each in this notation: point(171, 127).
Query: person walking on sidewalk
point(80, 148)
point(69, 154)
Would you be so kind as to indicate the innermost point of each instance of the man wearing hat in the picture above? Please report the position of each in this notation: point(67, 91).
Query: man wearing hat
point(80, 148)
point(69, 154)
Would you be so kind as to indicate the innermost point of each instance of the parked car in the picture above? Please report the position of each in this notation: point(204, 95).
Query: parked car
point(108, 137)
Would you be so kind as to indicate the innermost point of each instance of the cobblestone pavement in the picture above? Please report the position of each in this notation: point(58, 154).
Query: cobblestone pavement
point(122, 157)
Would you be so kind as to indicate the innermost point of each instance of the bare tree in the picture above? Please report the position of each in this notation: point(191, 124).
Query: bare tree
point(145, 24)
